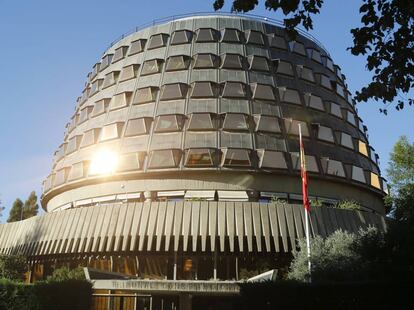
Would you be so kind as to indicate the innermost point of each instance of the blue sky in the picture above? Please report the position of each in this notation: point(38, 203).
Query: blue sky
point(48, 47)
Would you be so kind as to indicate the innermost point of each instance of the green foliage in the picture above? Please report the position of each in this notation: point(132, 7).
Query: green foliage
point(65, 295)
point(64, 274)
point(315, 203)
point(385, 37)
point(16, 211)
point(401, 165)
point(21, 211)
point(347, 205)
point(12, 267)
point(260, 266)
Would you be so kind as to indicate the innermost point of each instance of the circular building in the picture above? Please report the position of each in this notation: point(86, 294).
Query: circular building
point(181, 160)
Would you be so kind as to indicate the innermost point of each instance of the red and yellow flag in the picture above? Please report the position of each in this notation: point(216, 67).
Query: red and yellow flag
point(303, 173)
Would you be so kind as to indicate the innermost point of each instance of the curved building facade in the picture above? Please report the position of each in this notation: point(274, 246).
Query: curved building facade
point(181, 160)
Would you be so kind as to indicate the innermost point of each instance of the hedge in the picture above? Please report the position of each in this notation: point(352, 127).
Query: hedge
point(62, 295)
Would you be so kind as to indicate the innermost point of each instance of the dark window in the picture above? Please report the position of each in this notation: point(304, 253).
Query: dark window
point(200, 121)
point(233, 121)
point(207, 35)
point(106, 61)
point(283, 67)
point(173, 91)
point(236, 158)
point(181, 37)
point(137, 46)
point(205, 61)
point(144, 95)
point(305, 73)
point(199, 158)
point(138, 126)
point(271, 159)
point(258, 63)
point(95, 87)
point(255, 37)
point(292, 127)
point(314, 102)
point(267, 124)
point(234, 90)
point(263, 92)
point(164, 159)
point(204, 90)
point(151, 66)
point(175, 63)
point(158, 40)
point(232, 61)
point(276, 41)
point(297, 48)
point(332, 167)
point(230, 35)
point(310, 161)
point(120, 53)
point(289, 95)
point(129, 72)
point(168, 123)
point(314, 55)
point(325, 133)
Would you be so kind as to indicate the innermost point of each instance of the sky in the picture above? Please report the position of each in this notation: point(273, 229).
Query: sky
point(47, 48)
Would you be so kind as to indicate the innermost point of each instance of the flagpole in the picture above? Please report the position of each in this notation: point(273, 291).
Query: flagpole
point(305, 202)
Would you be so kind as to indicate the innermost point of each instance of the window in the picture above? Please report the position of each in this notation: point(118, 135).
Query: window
point(266, 123)
point(146, 94)
point(129, 72)
point(85, 95)
point(106, 61)
point(204, 90)
point(276, 41)
point(271, 159)
point(350, 117)
point(173, 91)
point(200, 158)
point(305, 73)
point(176, 63)
point(95, 87)
point(297, 47)
point(200, 121)
point(310, 161)
point(60, 152)
point(95, 70)
point(263, 92)
point(128, 162)
point(232, 61)
point(201, 139)
point(236, 139)
point(258, 63)
point(314, 102)
point(283, 67)
point(137, 46)
point(328, 63)
point(73, 144)
point(207, 35)
point(100, 107)
point(358, 174)
point(362, 148)
point(233, 121)
point(254, 37)
point(111, 131)
point(346, 140)
point(332, 167)
point(110, 79)
point(77, 171)
point(138, 126)
point(375, 181)
point(292, 127)
point(84, 114)
point(90, 137)
point(151, 66)
point(236, 158)
point(268, 142)
point(314, 55)
point(181, 37)
point(168, 123)
point(325, 134)
point(340, 90)
point(157, 40)
point(206, 61)
point(338, 72)
point(230, 35)
point(120, 100)
point(325, 82)
point(120, 53)
point(60, 177)
point(164, 159)
point(289, 95)
point(234, 90)
point(336, 109)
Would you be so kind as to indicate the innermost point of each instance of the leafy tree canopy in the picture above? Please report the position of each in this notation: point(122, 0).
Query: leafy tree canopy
point(64, 274)
point(20, 211)
point(385, 37)
point(12, 267)
point(401, 165)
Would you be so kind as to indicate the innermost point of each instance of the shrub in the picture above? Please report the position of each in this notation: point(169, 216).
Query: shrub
point(64, 273)
point(12, 267)
point(348, 205)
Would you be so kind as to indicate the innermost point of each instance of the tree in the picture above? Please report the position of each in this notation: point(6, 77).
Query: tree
point(16, 211)
point(401, 166)
point(64, 273)
point(12, 267)
point(386, 38)
point(31, 208)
